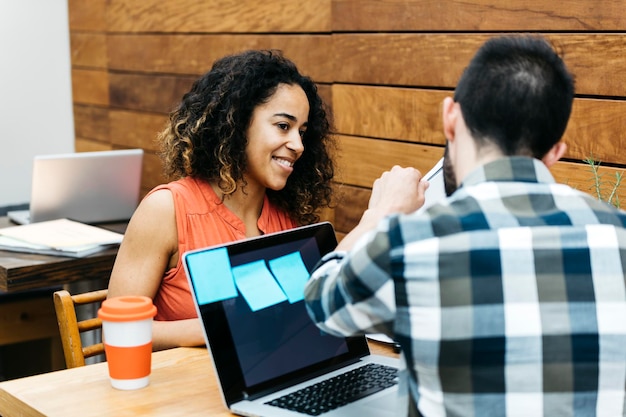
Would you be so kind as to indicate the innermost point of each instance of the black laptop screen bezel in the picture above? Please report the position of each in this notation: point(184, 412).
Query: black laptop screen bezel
point(220, 340)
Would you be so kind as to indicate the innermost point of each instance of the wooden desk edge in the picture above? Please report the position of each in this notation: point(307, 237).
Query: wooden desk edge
point(10, 404)
point(20, 397)
point(17, 396)
point(24, 271)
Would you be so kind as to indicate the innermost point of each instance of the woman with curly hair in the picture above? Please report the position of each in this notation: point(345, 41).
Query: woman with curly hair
point(248, 153)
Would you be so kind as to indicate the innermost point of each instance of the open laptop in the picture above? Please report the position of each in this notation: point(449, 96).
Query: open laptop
point(264, 346)
point(89, 187)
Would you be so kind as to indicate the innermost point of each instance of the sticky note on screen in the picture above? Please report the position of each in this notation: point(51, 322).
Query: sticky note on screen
point(257, 285)
point(212, 277)
point(291, 274)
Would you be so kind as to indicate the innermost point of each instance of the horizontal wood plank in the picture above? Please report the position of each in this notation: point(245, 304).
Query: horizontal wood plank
point(362, 160)
point(326, 94)
point(87, 15)
point(152, 172)
point(159, 93)
point(352, 202)
point(415, 115)
point(195, 54)
point(596, 128)
point(90, 145)
point(88, 49)
point(136, 129)
point(596, 60)
point(394, 113)
point(437, 60)
point(211, 16)
point(151, 93)
point(477, 15)
point(91, 122)
point(426, 60)
point(90, 87)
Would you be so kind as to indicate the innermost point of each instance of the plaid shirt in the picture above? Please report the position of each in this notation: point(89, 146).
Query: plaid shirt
point(508, 298)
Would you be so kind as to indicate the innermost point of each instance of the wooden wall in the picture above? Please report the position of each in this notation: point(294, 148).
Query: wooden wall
point(384, 65)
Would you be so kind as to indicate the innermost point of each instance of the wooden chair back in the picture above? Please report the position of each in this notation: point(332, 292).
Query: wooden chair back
point(70, 328)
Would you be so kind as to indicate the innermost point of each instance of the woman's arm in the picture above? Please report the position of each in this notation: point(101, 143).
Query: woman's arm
point(149, 249)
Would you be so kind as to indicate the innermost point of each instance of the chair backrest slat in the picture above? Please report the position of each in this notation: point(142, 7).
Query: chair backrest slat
point(70, 328)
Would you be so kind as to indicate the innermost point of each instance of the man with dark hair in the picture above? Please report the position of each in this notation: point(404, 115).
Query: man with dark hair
point(508, 297)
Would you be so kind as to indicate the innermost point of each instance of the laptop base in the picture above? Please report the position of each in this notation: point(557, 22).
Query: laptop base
point(19, 216)
point(380, 404)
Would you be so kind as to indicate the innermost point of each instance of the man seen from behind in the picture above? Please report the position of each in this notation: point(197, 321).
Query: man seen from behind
point(508, 298)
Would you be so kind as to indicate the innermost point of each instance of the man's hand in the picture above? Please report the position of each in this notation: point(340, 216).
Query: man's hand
point(399, 190)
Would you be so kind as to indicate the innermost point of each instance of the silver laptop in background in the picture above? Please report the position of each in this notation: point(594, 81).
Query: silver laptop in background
point(265, 349)
point(89, 187)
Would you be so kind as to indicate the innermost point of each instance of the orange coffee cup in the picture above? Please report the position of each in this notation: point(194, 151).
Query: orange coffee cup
point(127, 335)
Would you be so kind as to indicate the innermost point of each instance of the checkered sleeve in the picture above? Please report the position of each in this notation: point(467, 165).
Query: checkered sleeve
point(355, 294)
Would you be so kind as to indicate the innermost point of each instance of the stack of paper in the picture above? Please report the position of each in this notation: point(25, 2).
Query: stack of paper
point(60, 237)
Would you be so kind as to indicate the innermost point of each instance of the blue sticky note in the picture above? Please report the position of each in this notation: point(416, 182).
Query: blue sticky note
point(211, 275)
point(257, 285)
point(291, 274)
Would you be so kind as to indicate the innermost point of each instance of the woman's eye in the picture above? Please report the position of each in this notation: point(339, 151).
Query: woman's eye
point(302, 132)
point(283, 126)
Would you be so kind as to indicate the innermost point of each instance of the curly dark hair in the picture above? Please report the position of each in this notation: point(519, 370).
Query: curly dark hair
point(206, 135)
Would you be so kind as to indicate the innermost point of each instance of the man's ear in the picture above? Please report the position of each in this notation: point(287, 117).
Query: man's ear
point(450, 110)
point(554, 154)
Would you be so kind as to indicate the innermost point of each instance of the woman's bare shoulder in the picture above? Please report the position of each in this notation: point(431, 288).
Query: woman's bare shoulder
point(150, 244)
point(154, 216)
point(156, 206)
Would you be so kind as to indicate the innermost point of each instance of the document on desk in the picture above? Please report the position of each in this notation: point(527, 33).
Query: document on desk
point(60, 237)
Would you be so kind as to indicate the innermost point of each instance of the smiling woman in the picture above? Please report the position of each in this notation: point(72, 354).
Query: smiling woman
point(248, 153)
point(275, 139)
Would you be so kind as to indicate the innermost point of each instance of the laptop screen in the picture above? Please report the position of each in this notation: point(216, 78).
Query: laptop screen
point(249, 295)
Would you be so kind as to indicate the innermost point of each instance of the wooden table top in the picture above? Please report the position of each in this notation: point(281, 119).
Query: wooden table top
point(23, 271)
point(182, 383)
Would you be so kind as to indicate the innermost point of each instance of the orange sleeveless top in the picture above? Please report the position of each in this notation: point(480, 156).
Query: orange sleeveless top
point(202, 220)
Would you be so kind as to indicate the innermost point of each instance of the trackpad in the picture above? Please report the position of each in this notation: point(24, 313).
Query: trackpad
point(380, 406)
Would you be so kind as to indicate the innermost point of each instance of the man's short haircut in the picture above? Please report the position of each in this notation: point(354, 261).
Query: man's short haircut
point(517, 94)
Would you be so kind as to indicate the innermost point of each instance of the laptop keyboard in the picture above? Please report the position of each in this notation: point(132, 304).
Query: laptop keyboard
point(339, 390)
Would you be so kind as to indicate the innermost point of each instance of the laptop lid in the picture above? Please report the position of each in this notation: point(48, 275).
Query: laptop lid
point(249, 295)
point(89, 187)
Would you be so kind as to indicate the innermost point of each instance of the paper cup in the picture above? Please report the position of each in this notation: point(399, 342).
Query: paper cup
point(127, 335)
